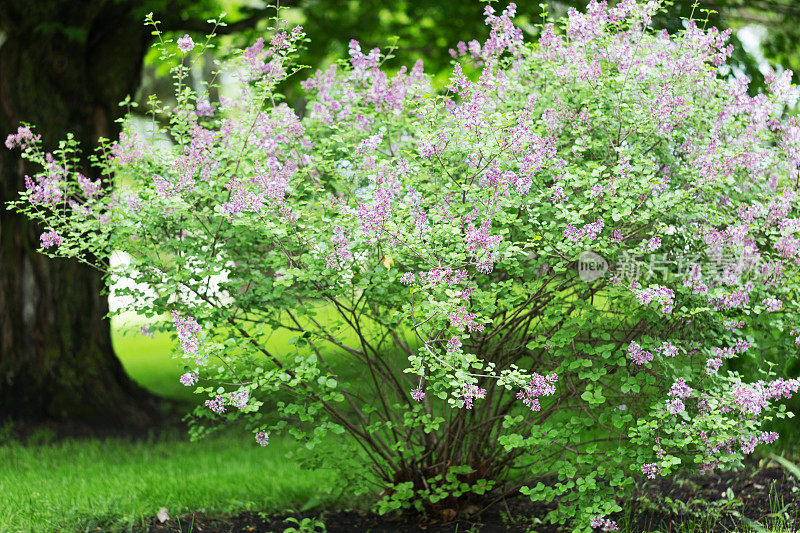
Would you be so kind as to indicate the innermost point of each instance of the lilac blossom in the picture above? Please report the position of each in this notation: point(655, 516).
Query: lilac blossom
point(680, 389)
point(262, 438)
point(559, 196)
point(240, 398)
point(128, 149)
point(668, 349)
point(51, 239)
point(90, 188)
point(453, 344)
point(573, 234)
point(724, 353)
point(596, 190)
point(460, 319)
point(469, 393)
point(188, 334)
point(675, 406)
point(45, 189)
point(755, 397)
point(407, 278)
point(216, 405)
point(203, 108)
point(603, 523)
point(713, 364)
point(342, 253)
point(772, 304)
point(189, 378)
point(538, 386)
point(480, 238)
point(664, 296)
point(24, 138)
point(418, 394)
point(589, 232)
point(651, 470)
point(592, 230)
point(185, 43)
point(733, 300)
point(742, 346)
point(638, 355)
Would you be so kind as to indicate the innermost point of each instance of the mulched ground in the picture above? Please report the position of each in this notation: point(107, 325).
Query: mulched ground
point(712, 503)
point(720, 500)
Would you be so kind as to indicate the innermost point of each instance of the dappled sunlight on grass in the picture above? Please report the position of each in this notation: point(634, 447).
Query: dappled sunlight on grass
point(150, 362)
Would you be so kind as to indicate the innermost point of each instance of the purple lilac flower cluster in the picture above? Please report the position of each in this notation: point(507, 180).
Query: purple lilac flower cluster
point(602, 523)
point(651, 470)
point(24, 138)
point(469, 393)
point(262, 438)
point(664, 296)
point(217, 405)
point(538, 386)
point(638, 355)
point(185, 43)
point(752, 398)
point(51, 239)
point(460, 319)
point(189, 378)
point(239, 399)
point(678, 392)
point(188, 334)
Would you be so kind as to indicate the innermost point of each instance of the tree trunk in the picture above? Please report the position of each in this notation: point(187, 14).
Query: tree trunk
point(64, 66)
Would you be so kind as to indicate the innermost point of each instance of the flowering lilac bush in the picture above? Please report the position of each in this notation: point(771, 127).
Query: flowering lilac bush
point(430, 241)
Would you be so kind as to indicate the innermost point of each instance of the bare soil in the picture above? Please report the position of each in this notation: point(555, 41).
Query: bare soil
point(710, 504)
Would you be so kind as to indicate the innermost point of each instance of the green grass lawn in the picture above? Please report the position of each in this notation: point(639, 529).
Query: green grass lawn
point(148, 361)
point(116, 483)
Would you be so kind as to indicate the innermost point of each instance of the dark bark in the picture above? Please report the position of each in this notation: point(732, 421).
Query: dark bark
point(64, 66)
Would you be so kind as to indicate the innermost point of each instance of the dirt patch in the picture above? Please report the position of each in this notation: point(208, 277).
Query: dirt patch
point(769, 496)
point(721, 502)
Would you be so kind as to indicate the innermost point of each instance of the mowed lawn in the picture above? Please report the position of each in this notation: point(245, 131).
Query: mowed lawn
point(115, 483)
point(149, 361)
